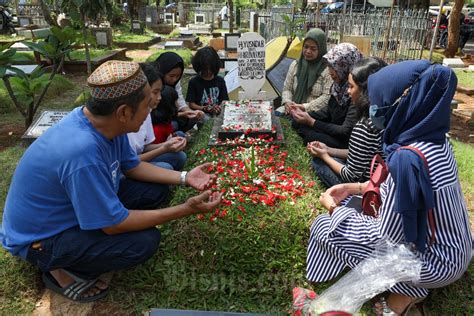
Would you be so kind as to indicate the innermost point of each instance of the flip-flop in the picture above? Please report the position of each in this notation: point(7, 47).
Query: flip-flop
point(75, 290)
point(387, 311)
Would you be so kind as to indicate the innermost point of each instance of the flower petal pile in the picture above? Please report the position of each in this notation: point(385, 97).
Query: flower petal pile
point(251, 176)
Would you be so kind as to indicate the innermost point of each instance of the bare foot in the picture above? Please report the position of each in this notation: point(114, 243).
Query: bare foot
point(65, 280)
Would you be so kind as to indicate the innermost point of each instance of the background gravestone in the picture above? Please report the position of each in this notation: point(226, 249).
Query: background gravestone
point(103, 36)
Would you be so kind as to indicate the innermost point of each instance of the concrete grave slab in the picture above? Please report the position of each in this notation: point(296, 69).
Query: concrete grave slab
point(453, 63)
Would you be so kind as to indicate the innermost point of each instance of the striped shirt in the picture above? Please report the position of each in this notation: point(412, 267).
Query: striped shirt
point(348, 237)
point(364, 143)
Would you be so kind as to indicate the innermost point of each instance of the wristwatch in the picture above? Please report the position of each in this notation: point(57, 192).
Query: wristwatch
point(182, 178)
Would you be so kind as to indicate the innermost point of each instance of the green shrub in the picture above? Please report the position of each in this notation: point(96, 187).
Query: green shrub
point(184, 53)
point(58, 86)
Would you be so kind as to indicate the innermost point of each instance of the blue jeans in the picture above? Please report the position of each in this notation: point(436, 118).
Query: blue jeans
point(138, 195)
point(327, 176)
point(90, 253)
point(171, 161)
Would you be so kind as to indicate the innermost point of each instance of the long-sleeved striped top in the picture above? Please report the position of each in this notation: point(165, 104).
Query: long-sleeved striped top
point(364, 143)
point(348, 237)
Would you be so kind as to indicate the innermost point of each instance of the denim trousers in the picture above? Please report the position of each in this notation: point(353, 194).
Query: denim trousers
point(90, 253)
point(139, 195)
point(327, 176)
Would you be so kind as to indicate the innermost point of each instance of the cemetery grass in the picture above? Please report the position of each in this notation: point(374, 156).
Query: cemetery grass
point(184, 53)
point(248, 266)
point(465, 78)
point(123, 34)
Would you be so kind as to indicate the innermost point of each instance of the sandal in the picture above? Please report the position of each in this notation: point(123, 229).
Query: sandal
point(387, 311)
point(74, 290)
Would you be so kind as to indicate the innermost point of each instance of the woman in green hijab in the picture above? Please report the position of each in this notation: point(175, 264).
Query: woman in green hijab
point(308, 81)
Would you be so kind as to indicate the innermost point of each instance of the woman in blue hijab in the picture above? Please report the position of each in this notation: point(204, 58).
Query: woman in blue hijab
point(411, 100)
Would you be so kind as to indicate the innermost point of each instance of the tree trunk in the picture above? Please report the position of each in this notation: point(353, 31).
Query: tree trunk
point(231, 16)
point(86, 45)
point(453, 29)
point(47, 14)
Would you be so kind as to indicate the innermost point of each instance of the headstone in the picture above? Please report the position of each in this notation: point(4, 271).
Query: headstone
point(186, 33)
point(19, 46)
point(230, 41)
point(169, 18)
point(199, 18)
point(27, 69)
point(45, 121)
point(225, 24)
point(103, 36)
point(24, 20)
point(251, 61)
point(470, 68)
point(25, 33)
point(453, 63)
point(137, 27)
point(41, 33)
point(173, 44)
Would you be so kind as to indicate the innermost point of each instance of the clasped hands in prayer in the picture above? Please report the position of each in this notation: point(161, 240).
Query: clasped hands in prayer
point(299, 114)
point(318, 149)
point(333, 196)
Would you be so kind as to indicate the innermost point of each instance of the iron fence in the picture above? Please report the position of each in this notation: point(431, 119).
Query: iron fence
point(405, 37)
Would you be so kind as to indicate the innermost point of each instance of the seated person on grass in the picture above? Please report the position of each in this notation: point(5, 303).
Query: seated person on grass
point(164, 116)
point(171, 65)
point(206, 90)
point(167, 153)
point(62, 211)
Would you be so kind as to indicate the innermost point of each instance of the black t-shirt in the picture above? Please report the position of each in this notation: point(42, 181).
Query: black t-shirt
point(207, 92)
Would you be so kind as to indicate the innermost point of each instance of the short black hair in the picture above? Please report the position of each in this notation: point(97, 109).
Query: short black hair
point(206, 60)
point(360, 74)
point(152, 74)
point(107, 107)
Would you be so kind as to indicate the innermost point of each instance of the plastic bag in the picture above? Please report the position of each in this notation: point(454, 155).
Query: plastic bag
point(390, 264)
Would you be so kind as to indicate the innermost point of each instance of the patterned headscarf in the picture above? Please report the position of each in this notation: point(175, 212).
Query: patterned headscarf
point(423, 114)
point(341, 58)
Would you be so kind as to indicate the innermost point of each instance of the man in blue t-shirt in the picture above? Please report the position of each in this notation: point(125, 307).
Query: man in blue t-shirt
point(63, 212)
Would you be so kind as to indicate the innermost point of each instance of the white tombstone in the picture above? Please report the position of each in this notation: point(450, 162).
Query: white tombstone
point(45, 121)
point(199, 18)
point(169, 18)
point(453, 63)
point(251, 62)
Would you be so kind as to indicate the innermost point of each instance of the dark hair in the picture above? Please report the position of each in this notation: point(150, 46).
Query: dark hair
point(104, 108)
point(151, 73)
point(166, 111)
point(206, 60)
point(360, 74)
